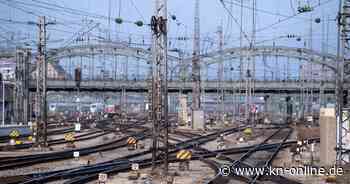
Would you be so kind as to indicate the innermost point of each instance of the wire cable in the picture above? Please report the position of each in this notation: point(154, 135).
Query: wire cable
point(289, 17)
point(236, 21)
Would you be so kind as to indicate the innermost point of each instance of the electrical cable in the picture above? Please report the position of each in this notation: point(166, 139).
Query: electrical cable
point(288, 18)
point(236, 21)
point(138, 11)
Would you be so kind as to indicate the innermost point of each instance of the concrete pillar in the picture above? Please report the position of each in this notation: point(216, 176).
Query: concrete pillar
point(183, 115)
point(328, 136)
point(198, 120)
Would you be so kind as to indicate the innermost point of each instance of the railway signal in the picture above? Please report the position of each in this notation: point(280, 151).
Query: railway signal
point(184, 156)
point(76, 155)
point(134, 173)
point(135, 166)
point(132, 142)
point(14, 133)
point(69, 137)
point(102, 178)
point(77, 127)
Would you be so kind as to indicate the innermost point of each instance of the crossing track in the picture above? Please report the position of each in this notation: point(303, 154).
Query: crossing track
point(144, 163)
point(15, 162)
point(88, 173)
point(95, 169)
point(82, 137)
point(218, 179)
point(216, 166)
point(6, 139)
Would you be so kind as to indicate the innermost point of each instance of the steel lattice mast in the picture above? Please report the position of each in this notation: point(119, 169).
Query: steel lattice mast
point(220, 90)
point(159, 85)
point(196, 93)
point(41, 107)
point(342, 56)
point(22, 86)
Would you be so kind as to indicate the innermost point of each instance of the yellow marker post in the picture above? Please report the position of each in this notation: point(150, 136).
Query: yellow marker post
point(14, 133)
point(185, 157)
point(69, 137)
point(132, 142)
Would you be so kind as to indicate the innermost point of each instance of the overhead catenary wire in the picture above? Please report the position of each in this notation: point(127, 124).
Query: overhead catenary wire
point(259, 10)
point(236, 21)
point(37, 13)
point(137, 10)
point(289, 17)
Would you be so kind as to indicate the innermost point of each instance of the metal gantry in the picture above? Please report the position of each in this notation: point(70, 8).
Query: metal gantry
point(342, 108)
point(220, 92)
point(41, 103)
point(21, 107)
point(196, 90)
point(159, 86)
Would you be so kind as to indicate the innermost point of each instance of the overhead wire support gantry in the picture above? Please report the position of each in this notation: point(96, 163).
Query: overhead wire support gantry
point(41, 85)
point(342, 108)
point(159, 87)
point(196, 89)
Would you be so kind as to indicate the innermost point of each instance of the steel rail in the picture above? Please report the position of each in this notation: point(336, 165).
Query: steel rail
point(247, 154)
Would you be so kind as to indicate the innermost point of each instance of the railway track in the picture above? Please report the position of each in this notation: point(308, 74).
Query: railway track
point(147, 162)
point(88, 173)
point(144, 163)
point(15, 162)
point(216, 166)
point(78, 138)
point(6, 139)
point(218, 179)
point(98, 167)
point(124, 164)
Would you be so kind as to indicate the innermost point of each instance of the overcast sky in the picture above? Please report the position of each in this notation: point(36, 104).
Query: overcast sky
point(69, 18)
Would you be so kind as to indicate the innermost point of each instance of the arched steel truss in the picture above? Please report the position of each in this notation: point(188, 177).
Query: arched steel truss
point(307, 55)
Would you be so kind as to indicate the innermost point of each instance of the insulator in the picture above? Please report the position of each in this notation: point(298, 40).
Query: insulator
point(317, 20)
point(139, 23)
point(119, 20)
